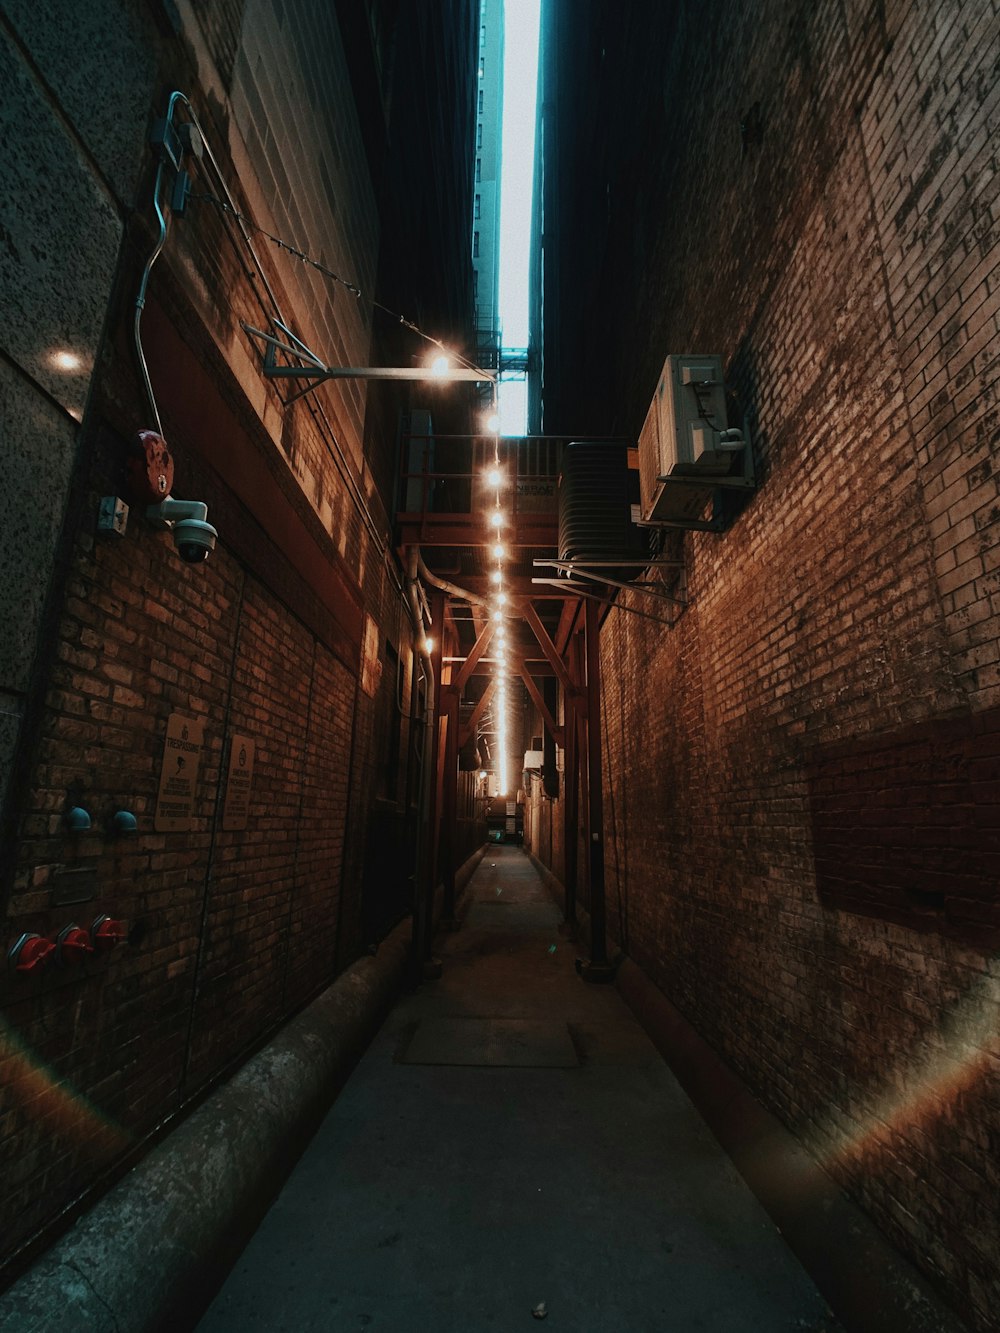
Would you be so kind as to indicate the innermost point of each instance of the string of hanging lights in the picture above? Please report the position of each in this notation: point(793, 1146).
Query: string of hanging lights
point(497, 521)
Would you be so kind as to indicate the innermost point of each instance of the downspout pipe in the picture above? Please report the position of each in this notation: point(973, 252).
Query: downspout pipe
point(453, 589)
point(423, 898)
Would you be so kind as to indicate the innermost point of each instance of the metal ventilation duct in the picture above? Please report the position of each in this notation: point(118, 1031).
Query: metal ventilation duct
point(595, 499)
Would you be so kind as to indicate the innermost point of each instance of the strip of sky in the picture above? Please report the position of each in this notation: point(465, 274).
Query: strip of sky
point(517, 172)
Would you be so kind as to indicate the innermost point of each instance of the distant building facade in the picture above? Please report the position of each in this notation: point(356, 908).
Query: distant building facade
point(486, 199)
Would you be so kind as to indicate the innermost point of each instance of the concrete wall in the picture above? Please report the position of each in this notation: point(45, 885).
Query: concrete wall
point(74, 136)
point(281, 637)
point(800, 784)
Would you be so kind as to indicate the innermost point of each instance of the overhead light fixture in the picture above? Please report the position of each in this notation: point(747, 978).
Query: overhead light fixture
point(440, 366)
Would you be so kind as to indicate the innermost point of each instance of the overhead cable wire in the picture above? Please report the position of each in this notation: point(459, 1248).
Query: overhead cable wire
point(298, 253)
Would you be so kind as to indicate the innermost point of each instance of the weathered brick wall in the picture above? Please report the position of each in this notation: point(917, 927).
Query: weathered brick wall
point(845, 266)
point(228, 930)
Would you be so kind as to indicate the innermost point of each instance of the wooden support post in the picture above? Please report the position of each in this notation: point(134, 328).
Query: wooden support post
point(449, 806)
point(571, 798)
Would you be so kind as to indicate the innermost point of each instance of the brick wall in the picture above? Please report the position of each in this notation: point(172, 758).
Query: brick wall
point(833, 682)
point(228, 930)
point(233, 923)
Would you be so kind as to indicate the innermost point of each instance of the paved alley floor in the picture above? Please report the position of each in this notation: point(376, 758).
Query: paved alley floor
point(512, 1139)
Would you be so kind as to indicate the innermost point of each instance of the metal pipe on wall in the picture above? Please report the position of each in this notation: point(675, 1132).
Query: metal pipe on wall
point(423, 888)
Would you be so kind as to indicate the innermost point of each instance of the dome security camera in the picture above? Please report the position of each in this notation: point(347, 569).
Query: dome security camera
point(194, 540)
point(194, 536)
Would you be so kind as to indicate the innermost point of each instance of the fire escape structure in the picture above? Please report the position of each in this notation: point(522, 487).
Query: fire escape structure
point(480, 523)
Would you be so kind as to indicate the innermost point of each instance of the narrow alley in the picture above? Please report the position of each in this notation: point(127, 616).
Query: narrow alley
point(583, 819)
point(513, 1140)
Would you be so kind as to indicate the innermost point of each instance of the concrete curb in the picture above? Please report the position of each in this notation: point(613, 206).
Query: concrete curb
point(153, 1250)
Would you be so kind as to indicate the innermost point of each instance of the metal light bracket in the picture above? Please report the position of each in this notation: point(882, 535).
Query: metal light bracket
point(311, 368)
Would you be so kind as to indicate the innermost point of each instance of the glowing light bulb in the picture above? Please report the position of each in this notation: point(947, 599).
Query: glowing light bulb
point(498, 616)
point(428, 645)
point(502, 598)
point(496, 576)
point(493, 476)
point(496, 518)
point(440, 366)
point(492, 423)
point(498, 551)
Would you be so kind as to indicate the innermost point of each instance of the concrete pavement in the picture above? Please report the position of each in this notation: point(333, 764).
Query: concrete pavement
point(512, 1140)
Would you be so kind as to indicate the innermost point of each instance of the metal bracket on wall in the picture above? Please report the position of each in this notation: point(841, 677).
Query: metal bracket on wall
point(311, 368)
point(585, 569)
point(604, 601)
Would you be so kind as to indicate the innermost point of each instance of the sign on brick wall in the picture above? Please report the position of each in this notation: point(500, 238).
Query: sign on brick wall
point(371, 666)
point(179, 774)
point(239, 784)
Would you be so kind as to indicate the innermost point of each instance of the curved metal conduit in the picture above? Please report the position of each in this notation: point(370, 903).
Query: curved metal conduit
point(342, 462)
point(473, 598)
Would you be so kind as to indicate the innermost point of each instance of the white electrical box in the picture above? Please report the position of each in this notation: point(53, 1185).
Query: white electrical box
point(684, 436)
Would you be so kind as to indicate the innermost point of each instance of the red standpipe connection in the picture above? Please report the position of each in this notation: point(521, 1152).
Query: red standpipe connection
point(73, 944)
point(105, 933)
point(30, 954)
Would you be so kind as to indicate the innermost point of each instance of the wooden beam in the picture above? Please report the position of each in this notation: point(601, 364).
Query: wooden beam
point(467, 732)
point(478, 648)
point(556, 732)
point(516, 585)
point(546, 644)
point(570, 611)
point(469, 530)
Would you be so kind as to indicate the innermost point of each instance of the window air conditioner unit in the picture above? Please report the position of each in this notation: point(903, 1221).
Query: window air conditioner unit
point(684, 437)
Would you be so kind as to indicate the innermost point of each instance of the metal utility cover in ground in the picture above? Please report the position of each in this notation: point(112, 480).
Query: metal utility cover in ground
point(498, 1042)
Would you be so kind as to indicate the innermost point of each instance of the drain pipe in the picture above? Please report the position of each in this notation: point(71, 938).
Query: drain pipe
point(423, 895)
point(473, 598)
